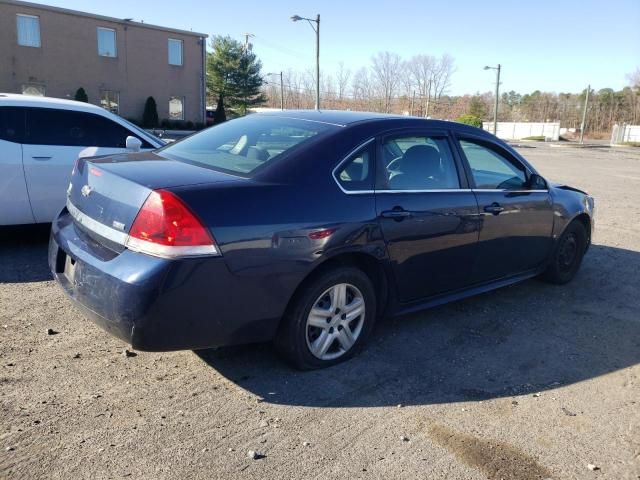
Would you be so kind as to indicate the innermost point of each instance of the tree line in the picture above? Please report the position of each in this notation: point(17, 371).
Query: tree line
point(415, 86)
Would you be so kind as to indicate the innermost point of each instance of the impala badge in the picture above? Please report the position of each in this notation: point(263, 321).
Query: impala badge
point(86, 191)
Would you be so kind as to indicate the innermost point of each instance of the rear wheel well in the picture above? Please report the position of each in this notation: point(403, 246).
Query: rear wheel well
point(362, 261)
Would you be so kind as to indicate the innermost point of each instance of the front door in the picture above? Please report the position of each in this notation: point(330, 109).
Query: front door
point(517, 219)
point(427, 214)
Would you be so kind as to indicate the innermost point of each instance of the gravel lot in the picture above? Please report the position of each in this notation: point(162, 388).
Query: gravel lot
point(531, 381)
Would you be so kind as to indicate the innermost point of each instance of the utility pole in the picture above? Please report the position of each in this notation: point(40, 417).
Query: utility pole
point(413, 99)
point(495, 109)
point(584, 114)
point(281, 92)
point(318, 62)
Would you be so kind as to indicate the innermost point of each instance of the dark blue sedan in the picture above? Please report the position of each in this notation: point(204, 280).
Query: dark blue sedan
point(304, 227)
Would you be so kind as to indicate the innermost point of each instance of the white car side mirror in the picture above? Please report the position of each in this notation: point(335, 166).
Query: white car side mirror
point(134, 144)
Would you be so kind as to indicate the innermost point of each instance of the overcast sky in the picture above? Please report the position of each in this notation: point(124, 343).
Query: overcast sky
point(548, 45)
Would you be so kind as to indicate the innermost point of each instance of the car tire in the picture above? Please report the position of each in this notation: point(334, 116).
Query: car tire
point(336, 295)
point(567, 255)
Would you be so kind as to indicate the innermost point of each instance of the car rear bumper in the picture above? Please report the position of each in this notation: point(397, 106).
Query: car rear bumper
point(157, 304)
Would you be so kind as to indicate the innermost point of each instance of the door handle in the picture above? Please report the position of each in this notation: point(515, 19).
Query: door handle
point(396, 213)
point(494, 208)
point(41, 157)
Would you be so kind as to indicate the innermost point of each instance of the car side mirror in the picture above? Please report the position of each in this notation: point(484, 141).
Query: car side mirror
point(536, 182)
point(133, 143)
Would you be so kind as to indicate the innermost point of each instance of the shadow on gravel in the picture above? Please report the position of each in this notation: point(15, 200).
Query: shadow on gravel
point(517, 340)
point(23, 254)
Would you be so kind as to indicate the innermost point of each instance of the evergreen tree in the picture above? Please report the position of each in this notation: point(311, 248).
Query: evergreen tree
point(81, 95)
point(234, 74)
point(150, 115)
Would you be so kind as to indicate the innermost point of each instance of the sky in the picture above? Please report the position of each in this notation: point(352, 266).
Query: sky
point(547, 45)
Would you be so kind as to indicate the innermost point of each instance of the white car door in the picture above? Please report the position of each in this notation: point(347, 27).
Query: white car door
point(54, 139)
point(14, 200)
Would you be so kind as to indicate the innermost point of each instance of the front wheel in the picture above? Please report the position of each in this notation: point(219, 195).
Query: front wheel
point(567, 257)
point(328, 320)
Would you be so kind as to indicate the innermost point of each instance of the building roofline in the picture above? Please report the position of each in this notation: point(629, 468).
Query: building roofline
point(20, 3)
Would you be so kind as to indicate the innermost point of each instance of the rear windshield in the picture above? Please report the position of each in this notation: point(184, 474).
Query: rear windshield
point(244, 145)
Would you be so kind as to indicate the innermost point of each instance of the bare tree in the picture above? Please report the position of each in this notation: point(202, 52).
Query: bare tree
point(421, 69)
point(343, 75)
point(362, 88)
point(385, 67)
point(442, 71)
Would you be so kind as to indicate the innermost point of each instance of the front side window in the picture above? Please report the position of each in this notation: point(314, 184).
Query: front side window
point(110, 100)
point(243, 145)
point(47, 126)
point(28, 30)
point(176, 108)
point(357, 172)
point(492, 170)
point(33, 89)
point(175, 52)
point(419, 162)
point(107, 42)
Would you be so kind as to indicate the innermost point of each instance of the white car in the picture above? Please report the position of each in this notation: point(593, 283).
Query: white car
point(41, 138)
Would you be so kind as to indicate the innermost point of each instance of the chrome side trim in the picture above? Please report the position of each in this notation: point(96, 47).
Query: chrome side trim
point(101, 229)
point(436, 190)
point(347, 157)
point(499, 190)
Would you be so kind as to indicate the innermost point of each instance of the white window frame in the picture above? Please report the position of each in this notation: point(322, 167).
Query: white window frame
point(182, 103)
point(41, 89)
point(115, 42)
point(181, 42)
point(37, 43)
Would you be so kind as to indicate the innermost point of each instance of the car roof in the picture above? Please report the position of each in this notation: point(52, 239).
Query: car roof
point(19, 100)
point(344, 118)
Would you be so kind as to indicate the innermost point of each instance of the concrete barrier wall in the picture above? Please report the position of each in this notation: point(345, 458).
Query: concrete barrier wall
point(520, 130)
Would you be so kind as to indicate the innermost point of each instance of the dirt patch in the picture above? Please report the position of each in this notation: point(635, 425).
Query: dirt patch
point(496, 460)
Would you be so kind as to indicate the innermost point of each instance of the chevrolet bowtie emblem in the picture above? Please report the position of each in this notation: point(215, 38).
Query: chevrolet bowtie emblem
point(86, 191)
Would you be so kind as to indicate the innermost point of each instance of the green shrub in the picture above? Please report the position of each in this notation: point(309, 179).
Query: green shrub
point(470, 120)
point(150, 115)
point(81, 95)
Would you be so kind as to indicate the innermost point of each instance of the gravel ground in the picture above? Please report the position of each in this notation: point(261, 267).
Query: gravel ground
point(531, 381)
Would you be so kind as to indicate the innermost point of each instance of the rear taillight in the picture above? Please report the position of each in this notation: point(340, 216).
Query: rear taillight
point(165, 227)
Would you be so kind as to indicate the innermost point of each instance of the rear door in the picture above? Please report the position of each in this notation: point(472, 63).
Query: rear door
point(427, 213)
point(54, 139)
point(517, 220)
point(14, 200)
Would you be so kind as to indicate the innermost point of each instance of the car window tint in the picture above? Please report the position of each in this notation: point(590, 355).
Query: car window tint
point(356, 173)
point(243, 145)
point(47, 126)
point(419, 163)
point(12, 124)
point(490, 169)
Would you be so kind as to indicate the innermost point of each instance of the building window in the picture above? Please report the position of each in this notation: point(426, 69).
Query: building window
point(28, 30)
point(31, 89)
point(110, 100)
point(176, 108)
point(175, 52)
point(107, 42)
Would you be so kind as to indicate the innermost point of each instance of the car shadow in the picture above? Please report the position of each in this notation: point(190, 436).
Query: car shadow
point(520, 339)
point(23, 253)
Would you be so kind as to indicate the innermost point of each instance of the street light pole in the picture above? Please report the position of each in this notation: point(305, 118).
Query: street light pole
point(584, 114)
point(495, 109)
point(281, 92)
point(316, 29)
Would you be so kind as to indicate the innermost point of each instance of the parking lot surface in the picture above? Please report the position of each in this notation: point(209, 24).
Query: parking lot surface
point(530, 381)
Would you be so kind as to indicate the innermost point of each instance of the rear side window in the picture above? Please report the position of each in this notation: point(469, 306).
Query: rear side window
point(357, 172)
point(47, 126)
point(12, 124)
point(492, 169)
point(422, 162)
point(243, 145)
